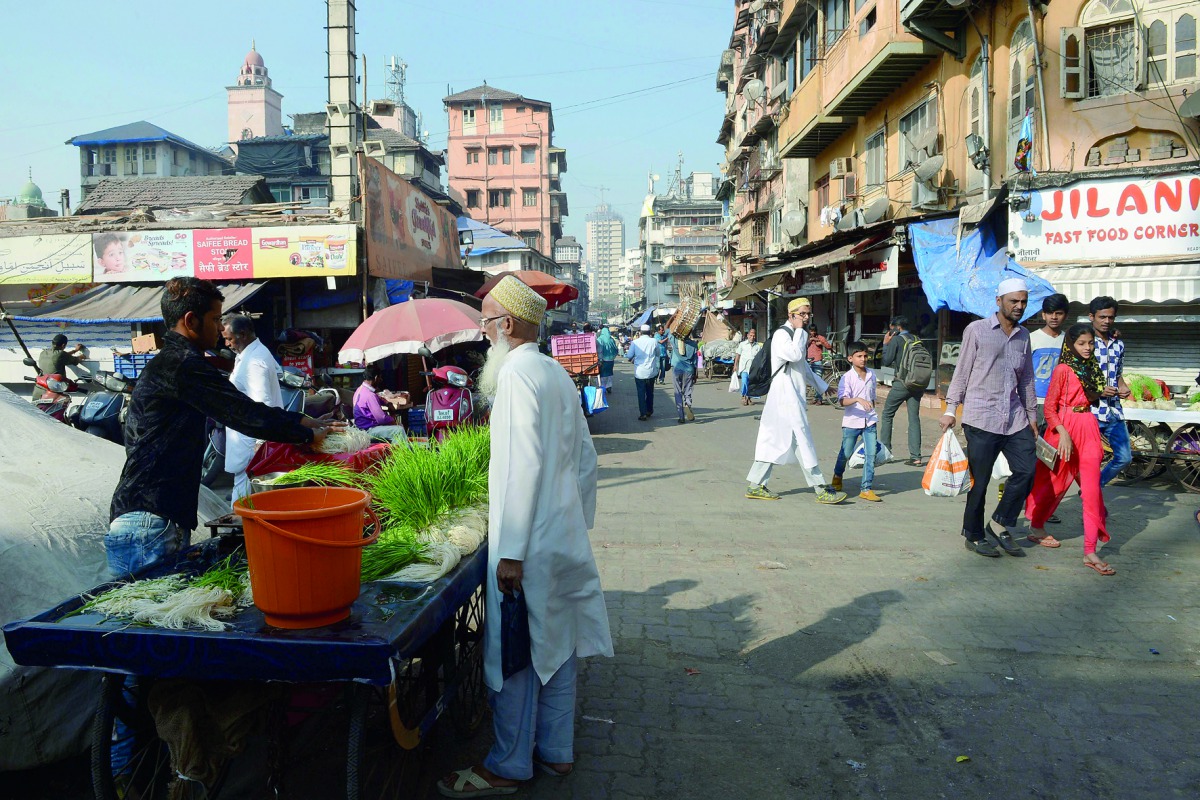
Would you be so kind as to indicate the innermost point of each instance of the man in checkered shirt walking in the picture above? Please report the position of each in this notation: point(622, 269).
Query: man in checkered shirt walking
point(1110, 352)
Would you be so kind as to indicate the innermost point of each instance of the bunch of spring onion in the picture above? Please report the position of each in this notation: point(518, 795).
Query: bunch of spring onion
point(176, 601)
point(319, 474)
point(349, 440)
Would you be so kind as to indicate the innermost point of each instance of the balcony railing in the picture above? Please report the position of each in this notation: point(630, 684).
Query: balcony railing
point(101, 170)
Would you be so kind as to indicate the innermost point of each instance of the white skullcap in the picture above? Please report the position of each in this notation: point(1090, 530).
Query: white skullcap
point(1011, 285)
point(645, 329)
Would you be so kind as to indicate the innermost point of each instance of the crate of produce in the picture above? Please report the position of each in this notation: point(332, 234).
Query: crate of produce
point(580, 363)
point(416, 422)
point(131, 366)
point(569, 344)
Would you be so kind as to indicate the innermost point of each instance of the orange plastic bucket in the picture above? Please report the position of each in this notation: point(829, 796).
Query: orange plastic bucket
point(304, 548)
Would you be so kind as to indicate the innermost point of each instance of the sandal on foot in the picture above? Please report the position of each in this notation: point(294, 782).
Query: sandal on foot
point(915, 462)
point(480, 787)
point(551, 771)
point(1103, 569)
point(1044, 541)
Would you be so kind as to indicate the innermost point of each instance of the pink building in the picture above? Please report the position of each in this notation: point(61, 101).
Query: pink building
point(502, 160)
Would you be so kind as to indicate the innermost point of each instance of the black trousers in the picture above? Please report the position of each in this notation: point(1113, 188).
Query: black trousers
point(982, 449)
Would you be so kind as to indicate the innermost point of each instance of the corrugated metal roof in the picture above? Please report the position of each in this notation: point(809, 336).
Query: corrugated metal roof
point(121, 194)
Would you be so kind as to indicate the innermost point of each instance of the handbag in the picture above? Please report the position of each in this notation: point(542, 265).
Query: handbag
point(735, 382)
point(859, 457)
point(516, 649)
point(594, 395)
point(1047, 453)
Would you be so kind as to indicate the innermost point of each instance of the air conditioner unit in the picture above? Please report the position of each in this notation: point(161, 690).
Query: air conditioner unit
point(839, 167)
point(849, 186)
point(925, 197)
point(775, 248)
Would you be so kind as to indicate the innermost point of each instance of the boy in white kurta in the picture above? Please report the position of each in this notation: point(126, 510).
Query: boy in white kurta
point(542, 492)
point(783, 433)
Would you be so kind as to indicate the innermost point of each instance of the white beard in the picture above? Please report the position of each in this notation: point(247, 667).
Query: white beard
point(496, 356)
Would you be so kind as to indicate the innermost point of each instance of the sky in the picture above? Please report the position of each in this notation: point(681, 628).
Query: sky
point(632, 82)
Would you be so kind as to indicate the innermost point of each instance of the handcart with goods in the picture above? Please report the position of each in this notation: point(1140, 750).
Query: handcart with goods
point(1163, 440)
point(348, 704)
point(579, 356)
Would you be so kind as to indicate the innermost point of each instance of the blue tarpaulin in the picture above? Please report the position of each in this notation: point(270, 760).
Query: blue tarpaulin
point(963, 276)
point(644, 318)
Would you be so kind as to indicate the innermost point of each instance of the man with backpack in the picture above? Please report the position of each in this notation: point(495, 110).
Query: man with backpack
point(781, 372)
point(904, 353)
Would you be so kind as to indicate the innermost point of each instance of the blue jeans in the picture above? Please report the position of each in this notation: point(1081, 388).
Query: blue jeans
point(1118, 439)
point(645, 394)
point(850, 438)
point(745, 384)
point(138, 539)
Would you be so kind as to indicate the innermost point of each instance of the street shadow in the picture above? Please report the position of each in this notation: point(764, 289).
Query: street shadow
point(613, 477)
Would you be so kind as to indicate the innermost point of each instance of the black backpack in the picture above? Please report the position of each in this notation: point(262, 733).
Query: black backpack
point(760, 375)
point(914, 367)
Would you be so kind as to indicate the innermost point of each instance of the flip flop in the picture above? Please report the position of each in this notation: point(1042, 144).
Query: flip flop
point(1103, 569)
point(1044, 541)
point(468, 777)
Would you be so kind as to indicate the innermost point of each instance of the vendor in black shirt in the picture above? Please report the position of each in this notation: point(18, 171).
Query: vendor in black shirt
point(154, 506)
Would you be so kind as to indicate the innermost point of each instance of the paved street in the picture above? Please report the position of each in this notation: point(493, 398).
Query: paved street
point(788, 649)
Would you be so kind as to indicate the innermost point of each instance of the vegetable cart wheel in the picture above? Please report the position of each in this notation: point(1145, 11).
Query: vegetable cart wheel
point(1144, 443)
point(384, 757)
point(1183, 450)
point(147, 774)
point(470, 703)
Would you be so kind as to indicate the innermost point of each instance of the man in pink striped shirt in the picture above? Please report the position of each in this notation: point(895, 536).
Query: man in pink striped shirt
point(993, 382)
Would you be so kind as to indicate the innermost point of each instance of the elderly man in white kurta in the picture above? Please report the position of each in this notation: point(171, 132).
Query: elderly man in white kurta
point(542, 491)
point(783, 433)
point(256, 375)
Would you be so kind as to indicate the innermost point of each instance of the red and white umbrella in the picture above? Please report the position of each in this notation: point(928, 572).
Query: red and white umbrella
point(407, 327)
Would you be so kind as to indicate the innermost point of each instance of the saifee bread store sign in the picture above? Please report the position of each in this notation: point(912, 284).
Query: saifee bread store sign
point(1109, 220)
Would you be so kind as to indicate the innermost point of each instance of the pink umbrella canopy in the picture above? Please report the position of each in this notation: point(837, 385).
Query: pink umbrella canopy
point(407, 327)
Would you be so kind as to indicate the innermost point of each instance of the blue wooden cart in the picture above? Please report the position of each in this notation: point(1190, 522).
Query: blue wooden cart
point(407, 654)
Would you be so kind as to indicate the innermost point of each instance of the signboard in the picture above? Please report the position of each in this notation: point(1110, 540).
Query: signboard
point(873, 270)
point(408, 234)
point(817, 280)
point(53, 258)
point(1109, 220)
point(224, 254)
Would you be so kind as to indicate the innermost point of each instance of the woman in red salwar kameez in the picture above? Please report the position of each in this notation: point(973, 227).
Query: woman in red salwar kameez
point(1071, 427)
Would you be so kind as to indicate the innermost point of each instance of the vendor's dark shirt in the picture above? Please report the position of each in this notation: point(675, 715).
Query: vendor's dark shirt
point(164, 433)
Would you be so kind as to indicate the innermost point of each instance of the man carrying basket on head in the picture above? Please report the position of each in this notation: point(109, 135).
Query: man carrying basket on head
point(783, 434)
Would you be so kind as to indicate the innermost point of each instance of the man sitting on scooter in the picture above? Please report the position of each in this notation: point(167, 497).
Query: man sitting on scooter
point(55, 359)
point(369, 414)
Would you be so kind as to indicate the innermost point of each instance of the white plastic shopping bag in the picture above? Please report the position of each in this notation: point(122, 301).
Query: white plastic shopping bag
point(947, 474)
point(858, 458)
point(735, 382)
point(1001, 469)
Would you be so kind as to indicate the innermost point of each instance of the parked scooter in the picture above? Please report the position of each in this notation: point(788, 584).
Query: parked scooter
point(103, 412)
point(56, 398)
point(450, 402)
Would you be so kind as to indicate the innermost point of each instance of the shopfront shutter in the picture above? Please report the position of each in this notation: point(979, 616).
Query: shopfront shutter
point(1167, 351)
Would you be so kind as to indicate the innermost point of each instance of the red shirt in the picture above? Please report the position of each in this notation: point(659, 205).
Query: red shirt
point(817, 345)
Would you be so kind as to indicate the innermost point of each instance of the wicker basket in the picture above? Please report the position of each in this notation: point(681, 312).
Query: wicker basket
point(685, 317)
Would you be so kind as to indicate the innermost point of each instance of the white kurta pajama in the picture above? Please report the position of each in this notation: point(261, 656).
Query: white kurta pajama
point(542, 491)
point(256, 375)
point(783, 432)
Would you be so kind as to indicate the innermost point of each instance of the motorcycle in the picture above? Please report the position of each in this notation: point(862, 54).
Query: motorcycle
point(293, 386)
point(103, 413)
point(56, 398)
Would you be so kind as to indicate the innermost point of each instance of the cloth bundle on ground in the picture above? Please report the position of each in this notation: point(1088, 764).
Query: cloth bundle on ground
point(59, 483)
point(722, 348)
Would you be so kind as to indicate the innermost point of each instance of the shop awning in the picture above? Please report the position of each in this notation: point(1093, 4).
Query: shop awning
point(119, 303)
point(743, 288)
point(768, 278)
point(1139, 283)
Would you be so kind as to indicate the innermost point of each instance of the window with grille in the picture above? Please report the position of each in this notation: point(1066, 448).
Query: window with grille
point(468, 113)
point(499, 198)
point(913, 126)
point(529, 197)
point(1112, 57)
point(837, 19)
point(472, 198)
point(877, 159)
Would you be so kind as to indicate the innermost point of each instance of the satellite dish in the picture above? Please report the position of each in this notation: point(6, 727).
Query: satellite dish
point(754, 90)
point(927, 141)
point(1191, 106)
point(877, 210)
point(795, 223)
point(850, 221)
point(956, 3)
point(928, 169)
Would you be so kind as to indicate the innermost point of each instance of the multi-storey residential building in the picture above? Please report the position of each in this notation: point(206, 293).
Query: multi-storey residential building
point(501, 158)
point(633, 293)
point(681, 239)
point(605, 246)
point(908, 110)
point(142, 150)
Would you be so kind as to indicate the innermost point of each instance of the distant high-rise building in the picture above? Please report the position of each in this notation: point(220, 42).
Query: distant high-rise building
point(605, 247)
point(681, 240)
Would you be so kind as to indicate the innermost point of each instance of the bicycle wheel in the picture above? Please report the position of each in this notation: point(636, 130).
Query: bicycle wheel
point(147, 771)
point(1144, 445)
point(1183, 451)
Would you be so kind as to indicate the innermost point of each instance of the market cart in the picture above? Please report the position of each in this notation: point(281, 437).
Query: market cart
point(380, 679)
point(1164, 441)
point(718, 368)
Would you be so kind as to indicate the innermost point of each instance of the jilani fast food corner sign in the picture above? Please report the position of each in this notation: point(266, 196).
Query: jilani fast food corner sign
point(225, 254)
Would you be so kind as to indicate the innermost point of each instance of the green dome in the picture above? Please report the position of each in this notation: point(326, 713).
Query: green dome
point(30, 195)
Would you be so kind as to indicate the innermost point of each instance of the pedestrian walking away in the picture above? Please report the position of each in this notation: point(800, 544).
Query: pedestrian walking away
point(683, 370)
point(1110, 354)
point(542, 488)
point(1074, 388)
point(643, 352)
point(894, 342)
point(783, 433)
point(607, 350)
point(993, 383)
point(743, 357)
point(256, 375)
point(856, 394)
